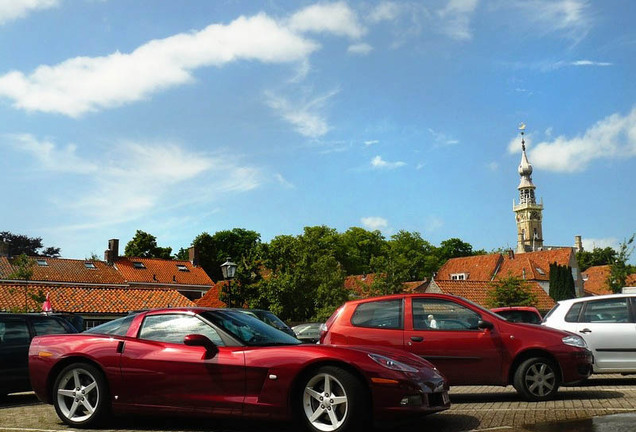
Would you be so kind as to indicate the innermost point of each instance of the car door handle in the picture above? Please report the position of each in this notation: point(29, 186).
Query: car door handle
point(585, 330)
point(417, 338)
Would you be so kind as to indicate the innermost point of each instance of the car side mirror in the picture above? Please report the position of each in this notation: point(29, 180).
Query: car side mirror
point(485, 325)
point(203, 341)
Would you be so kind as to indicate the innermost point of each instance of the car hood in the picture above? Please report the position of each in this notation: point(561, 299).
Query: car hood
point(394, 353)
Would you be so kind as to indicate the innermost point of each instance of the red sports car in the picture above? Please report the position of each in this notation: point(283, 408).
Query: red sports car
point(225, 363)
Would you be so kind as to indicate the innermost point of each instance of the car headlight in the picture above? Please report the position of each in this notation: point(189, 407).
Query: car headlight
point(575, 341)
point(389, 363)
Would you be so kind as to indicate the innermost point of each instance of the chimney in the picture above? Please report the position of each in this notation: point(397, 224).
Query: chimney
point(511, 254)
point(193, 255)
point(578, 243)
point(112, 253)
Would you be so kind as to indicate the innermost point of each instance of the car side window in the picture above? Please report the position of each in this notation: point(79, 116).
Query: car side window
point(14, 332)
point(386, 314)
point(173, 328)
point(606, 311)
point(438, 314)
point(574, 312)
point(48, 326)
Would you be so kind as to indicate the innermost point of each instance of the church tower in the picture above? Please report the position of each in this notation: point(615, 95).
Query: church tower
point(528, 213)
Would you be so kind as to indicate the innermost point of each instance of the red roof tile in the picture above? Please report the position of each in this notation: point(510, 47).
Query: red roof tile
point(77, 299)
point(162, 271)
point(211, 298)
point(69, 271)
point(536, 264)
point(595, 280)
point(478, 267)
point(477, 291)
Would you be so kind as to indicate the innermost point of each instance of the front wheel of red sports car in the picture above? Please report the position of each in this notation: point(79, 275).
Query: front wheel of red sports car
point(333, 400)
point(80, 395)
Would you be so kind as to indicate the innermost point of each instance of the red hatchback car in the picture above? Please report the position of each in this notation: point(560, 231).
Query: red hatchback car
point(469, 344)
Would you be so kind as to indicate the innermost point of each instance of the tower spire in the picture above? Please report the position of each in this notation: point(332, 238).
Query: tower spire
point(528, 212)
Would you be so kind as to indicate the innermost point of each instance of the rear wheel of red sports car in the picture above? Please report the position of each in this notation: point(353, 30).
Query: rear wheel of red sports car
point(80, 395)
point(333, 400)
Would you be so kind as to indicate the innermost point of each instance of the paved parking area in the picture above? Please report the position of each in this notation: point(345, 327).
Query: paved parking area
point(482, 408)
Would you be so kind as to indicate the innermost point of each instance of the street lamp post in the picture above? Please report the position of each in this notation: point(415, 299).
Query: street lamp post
point(228, 268)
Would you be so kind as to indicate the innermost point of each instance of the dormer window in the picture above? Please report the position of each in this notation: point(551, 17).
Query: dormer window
point(42, 262)
point(182, 267)
point(138, 265)
point(459, 276)
point(89, 265)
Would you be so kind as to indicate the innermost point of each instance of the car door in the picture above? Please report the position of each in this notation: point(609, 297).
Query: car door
point(159, 370)
point(445, 332)
point(608, 327)
point(14, 349)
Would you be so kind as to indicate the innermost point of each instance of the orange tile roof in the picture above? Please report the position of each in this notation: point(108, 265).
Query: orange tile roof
point(478, 267)
point(534, 263)
point(360, 285)
point(595, 280)
point(477, 291)
point(78, 299)
point(69, 271)
point(211, 298)
point(162, 271)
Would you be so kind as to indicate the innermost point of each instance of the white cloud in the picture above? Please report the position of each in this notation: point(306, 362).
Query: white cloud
point(613, 137)
point(374, 223)
point(360, 49)
point(456, 17)
point(568, 17)
point(379, 163)
point(304, 115)
point(50, 156)
point(493, 166)
point(85, 84)
point(441, 139)
point(590, 243)
point(334, 18)
point(371, 142)
point(284, 182)
point(385, 11)
point(135, 179)
point(14, 9)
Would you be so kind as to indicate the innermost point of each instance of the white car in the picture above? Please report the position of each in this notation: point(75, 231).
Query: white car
point(608, 325)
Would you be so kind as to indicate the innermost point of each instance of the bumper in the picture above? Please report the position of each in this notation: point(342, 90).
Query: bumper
point(576, 366)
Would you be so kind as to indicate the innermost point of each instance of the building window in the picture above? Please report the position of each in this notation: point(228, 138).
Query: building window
point(138, 265)
point(42, 262)
point(182, 268)
point(90, 265)
point(459, 276)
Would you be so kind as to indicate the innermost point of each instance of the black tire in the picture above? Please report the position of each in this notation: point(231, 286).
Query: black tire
point(332, 399)
point(80, 396)
point(537, 379)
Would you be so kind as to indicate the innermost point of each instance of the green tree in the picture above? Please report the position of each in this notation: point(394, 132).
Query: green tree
point(359, 247)
point(454, 248)
point(18, 244)
point(510, 291)
point(596, 257)
point(239, 244)
point(144, 245)
point(619, 269)
point(561, 282)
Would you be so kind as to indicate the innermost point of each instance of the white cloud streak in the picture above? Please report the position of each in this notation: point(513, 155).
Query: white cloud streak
point(613, 137)
point(11, 10)
point(135, 179)
point(456, 17)
point(305, 115)
point(379, 163)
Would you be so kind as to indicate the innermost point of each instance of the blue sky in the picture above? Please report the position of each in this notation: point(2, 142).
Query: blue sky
point(183, 117)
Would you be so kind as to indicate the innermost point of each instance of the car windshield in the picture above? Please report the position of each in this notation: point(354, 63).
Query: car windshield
point(249, 330)
point(118, 327)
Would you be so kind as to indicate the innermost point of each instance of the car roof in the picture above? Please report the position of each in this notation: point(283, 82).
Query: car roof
point(515, 308)
point(405, 295)
point(599, 297)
